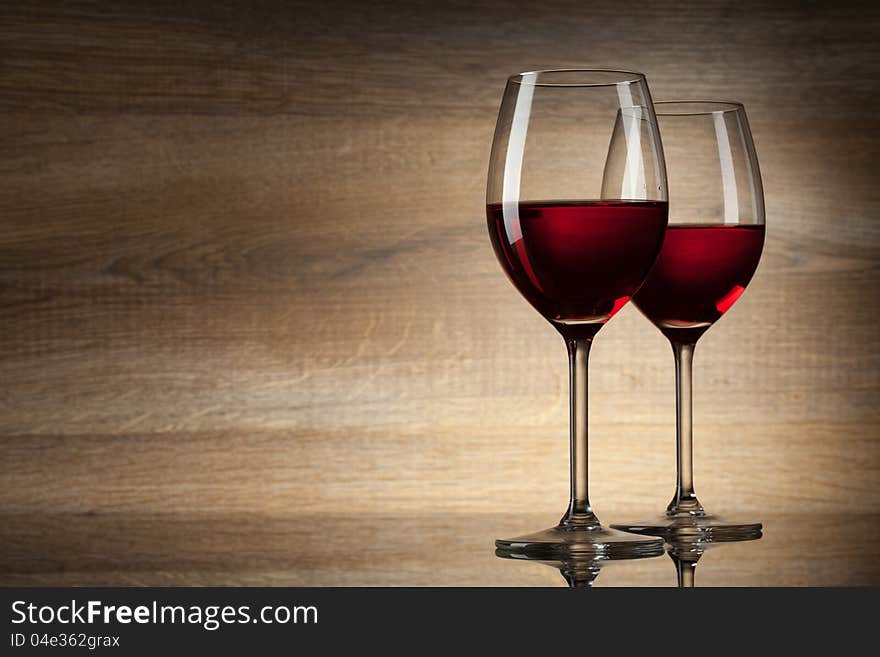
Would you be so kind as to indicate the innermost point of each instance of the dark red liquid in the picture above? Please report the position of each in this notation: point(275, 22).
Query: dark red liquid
point(701, 272)
point(577, 262)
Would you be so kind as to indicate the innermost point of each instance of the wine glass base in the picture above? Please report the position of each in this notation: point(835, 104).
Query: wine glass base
point(599, 543)
point(707, 528)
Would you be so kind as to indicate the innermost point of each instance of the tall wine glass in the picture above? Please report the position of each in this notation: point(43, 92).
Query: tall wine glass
point(576, 207)
point(711, 250)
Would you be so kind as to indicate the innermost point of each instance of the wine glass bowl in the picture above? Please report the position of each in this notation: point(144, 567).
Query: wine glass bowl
point(576, 211)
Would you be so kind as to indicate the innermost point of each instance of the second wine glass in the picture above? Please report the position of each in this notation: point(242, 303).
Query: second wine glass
point(712, 248)
point(576, 207)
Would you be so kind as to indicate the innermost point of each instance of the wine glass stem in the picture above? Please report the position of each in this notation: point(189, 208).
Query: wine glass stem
point(685, 501)
point(685, 571)
point(579, 514)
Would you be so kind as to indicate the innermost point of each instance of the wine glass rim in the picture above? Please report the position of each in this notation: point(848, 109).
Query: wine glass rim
point(626, 77)
point(701, 107)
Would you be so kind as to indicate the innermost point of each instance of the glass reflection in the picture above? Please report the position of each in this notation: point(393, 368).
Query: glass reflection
point(685, 551)
point(578, 569)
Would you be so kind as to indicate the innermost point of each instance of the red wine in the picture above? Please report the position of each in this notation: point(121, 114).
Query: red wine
point(577, 262)
point(701, 272)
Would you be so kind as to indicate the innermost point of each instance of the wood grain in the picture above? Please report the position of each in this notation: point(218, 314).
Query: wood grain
point(244, 266)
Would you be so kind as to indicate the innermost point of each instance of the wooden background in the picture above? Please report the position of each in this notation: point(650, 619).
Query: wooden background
point(244, 264)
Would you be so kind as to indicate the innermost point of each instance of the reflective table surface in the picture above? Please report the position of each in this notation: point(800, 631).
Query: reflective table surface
point(429, 550)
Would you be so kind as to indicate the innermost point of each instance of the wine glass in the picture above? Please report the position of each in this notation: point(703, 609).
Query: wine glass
point(576, 208)
point(711, 250)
